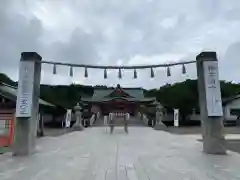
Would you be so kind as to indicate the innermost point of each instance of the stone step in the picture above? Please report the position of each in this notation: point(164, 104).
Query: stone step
point(120, 122)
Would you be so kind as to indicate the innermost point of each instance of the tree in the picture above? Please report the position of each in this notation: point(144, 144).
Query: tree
point(182, 95)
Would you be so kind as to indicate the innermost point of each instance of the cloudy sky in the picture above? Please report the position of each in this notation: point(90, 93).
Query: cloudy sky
point(117, 32)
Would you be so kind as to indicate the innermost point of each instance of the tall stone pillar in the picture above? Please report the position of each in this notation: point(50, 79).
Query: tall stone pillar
point(27, 103)
point(210, 103)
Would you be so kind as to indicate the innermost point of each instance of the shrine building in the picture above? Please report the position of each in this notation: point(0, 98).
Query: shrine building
point(117, 100)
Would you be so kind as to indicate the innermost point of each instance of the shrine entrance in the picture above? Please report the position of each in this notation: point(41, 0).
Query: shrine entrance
point(119, 107)
point(118, 100)
point(208, 88)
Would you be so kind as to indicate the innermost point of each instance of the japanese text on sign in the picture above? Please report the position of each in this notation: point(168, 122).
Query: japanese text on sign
point(25, 89)
point(212, 87)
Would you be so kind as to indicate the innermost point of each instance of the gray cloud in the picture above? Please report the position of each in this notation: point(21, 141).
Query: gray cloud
point(230, 63)
point(109, 32)
point(81, 48)
point(17, 34)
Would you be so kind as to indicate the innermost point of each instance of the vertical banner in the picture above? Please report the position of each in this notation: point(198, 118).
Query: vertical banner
point(25, 89)
point(176, 117)
point(212, 87)
point(68, 118)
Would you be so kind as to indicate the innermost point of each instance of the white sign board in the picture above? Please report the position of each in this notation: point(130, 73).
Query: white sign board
point(176, 117)
point(212, 87)
point(25, 89)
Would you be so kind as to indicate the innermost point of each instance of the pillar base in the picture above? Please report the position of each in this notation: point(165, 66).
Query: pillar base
point(213, 136)
point(40, 134)
point(160, 126)
point(25, 136)
point(23, 150)
point(214, 146)
point(24, 153)
point(78, 127)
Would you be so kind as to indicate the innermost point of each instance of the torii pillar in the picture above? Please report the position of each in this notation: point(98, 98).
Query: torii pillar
point(27, 104)
point(210, 103)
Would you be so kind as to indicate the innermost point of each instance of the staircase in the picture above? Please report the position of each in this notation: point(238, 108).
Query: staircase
point(134, 121)
point(119, 121)
point(98, 122)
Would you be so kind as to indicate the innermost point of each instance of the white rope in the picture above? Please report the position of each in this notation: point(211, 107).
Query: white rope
point(117, 67)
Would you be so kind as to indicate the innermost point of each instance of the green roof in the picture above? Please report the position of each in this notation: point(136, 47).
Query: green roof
point(137, 93)
point(103, 95)
point(11, 93)
point(110, 99)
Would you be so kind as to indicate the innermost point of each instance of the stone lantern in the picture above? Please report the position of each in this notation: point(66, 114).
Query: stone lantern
point(159, 117)
point(78, 124)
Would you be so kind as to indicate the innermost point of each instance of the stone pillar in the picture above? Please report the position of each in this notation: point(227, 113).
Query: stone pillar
point(27, 104)
point(210, 103)
point(78, 124)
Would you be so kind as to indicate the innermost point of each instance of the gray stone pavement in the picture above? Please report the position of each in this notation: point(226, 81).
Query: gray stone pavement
point(143, 154)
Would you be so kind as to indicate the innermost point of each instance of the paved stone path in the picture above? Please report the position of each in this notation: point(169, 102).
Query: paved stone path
point(143, 154)
point(227, 136)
